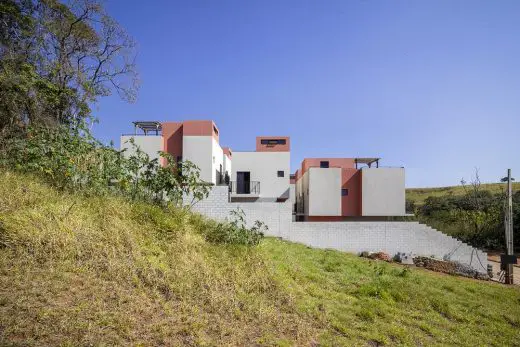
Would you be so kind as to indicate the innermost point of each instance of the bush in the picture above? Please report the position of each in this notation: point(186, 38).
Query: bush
point(73, 159)
point(235, 231)
point(457, 216)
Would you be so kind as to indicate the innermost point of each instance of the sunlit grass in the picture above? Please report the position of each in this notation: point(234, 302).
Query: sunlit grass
point(77, 270)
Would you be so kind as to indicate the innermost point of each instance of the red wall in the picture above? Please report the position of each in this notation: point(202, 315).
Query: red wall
point(350, 179)
point(172, 137)
point(200, 128)
point(351, 204)
point(273, 148)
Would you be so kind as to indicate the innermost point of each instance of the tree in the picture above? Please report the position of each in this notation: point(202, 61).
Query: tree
point(57, 58)
point(481, 211)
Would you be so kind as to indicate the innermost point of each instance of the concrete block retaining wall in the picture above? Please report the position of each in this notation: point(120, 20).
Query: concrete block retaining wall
point(355, 237)
point(276, 215)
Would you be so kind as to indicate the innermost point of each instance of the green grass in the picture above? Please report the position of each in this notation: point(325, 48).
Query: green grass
point(78, 270)
point(420, 194)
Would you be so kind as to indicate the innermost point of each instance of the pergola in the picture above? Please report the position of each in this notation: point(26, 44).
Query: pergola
point(367, 161)
point(147, 126)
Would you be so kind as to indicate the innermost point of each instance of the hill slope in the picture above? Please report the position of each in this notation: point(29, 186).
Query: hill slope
point(77, 270)
point(420, 194)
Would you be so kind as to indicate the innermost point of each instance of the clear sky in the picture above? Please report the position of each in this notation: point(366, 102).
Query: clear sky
point(433, 86)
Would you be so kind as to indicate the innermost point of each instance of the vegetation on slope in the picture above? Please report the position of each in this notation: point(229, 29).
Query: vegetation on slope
point(473, 213)
point(419, 195)
point(78, 270)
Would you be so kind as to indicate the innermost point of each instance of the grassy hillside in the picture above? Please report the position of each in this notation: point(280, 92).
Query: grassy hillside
point(420, 194)
point(77, 270)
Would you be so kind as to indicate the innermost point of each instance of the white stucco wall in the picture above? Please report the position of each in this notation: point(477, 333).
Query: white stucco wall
point(199, 150)
point(305, 193)
point(151, 145)
point(383, 191)
point(324, 191)
point(217, 159)
point(263, 167)
point(227, 165)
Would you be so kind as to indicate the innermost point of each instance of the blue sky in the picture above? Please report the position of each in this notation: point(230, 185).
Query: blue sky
point(433, 86)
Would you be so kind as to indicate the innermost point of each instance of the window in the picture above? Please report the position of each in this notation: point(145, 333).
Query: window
point(272, 142)
point(344, 192)
point(324, 164)
point(215, 130)
point(280, 173)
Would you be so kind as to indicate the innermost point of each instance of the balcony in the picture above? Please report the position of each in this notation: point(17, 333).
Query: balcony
point(244, 188)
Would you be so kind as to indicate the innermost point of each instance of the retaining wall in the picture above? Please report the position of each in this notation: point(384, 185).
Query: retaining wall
point(355, 237)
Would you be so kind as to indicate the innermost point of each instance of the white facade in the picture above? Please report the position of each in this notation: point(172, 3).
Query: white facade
point(227, 166)
point(263, 168)
point(324, 191)
point(383, 191)
point(149, 144)
point(206, 153)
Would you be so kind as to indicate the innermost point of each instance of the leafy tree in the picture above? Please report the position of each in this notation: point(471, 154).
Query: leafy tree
point(57, 58)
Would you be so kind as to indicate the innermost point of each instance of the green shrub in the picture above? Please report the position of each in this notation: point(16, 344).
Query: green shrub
point(73, 159)
point(235, 231)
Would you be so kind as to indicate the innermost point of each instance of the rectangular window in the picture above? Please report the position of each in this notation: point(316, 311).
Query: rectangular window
point(272, 142)
point(344, 192)
point(324, 164)
point(280, 173)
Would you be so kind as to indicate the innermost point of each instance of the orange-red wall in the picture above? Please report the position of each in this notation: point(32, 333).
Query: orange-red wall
point(172, 137)
point(350, 179)
point(173, 132)
point(200, 128)
point(272, 148)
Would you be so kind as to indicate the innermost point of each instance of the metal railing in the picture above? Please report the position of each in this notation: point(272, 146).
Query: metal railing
point(251, 187)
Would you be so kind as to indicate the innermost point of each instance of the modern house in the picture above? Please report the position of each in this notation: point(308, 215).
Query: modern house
point(322, 189)
point(341, 203)
point(263, 174)
point(335, 189)
point(194, 140)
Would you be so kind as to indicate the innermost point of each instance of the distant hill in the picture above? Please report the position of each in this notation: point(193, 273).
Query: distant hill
point(420, 194)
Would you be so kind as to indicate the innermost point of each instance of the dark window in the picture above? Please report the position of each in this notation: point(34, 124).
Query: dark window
point(280, 173)
point(344, 192)
point(215, 130)
point(324, 164)
point(272, 142)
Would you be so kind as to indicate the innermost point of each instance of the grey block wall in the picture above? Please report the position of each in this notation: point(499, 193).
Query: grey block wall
point(276, 215)
point(354, 237)
point(389, 237)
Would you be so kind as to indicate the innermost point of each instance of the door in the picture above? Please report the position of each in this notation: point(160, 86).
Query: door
point(243, 182)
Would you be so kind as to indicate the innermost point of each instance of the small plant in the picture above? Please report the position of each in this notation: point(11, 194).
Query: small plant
point(235, 231)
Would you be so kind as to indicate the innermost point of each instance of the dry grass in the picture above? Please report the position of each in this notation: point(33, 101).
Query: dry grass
point(77, 270)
